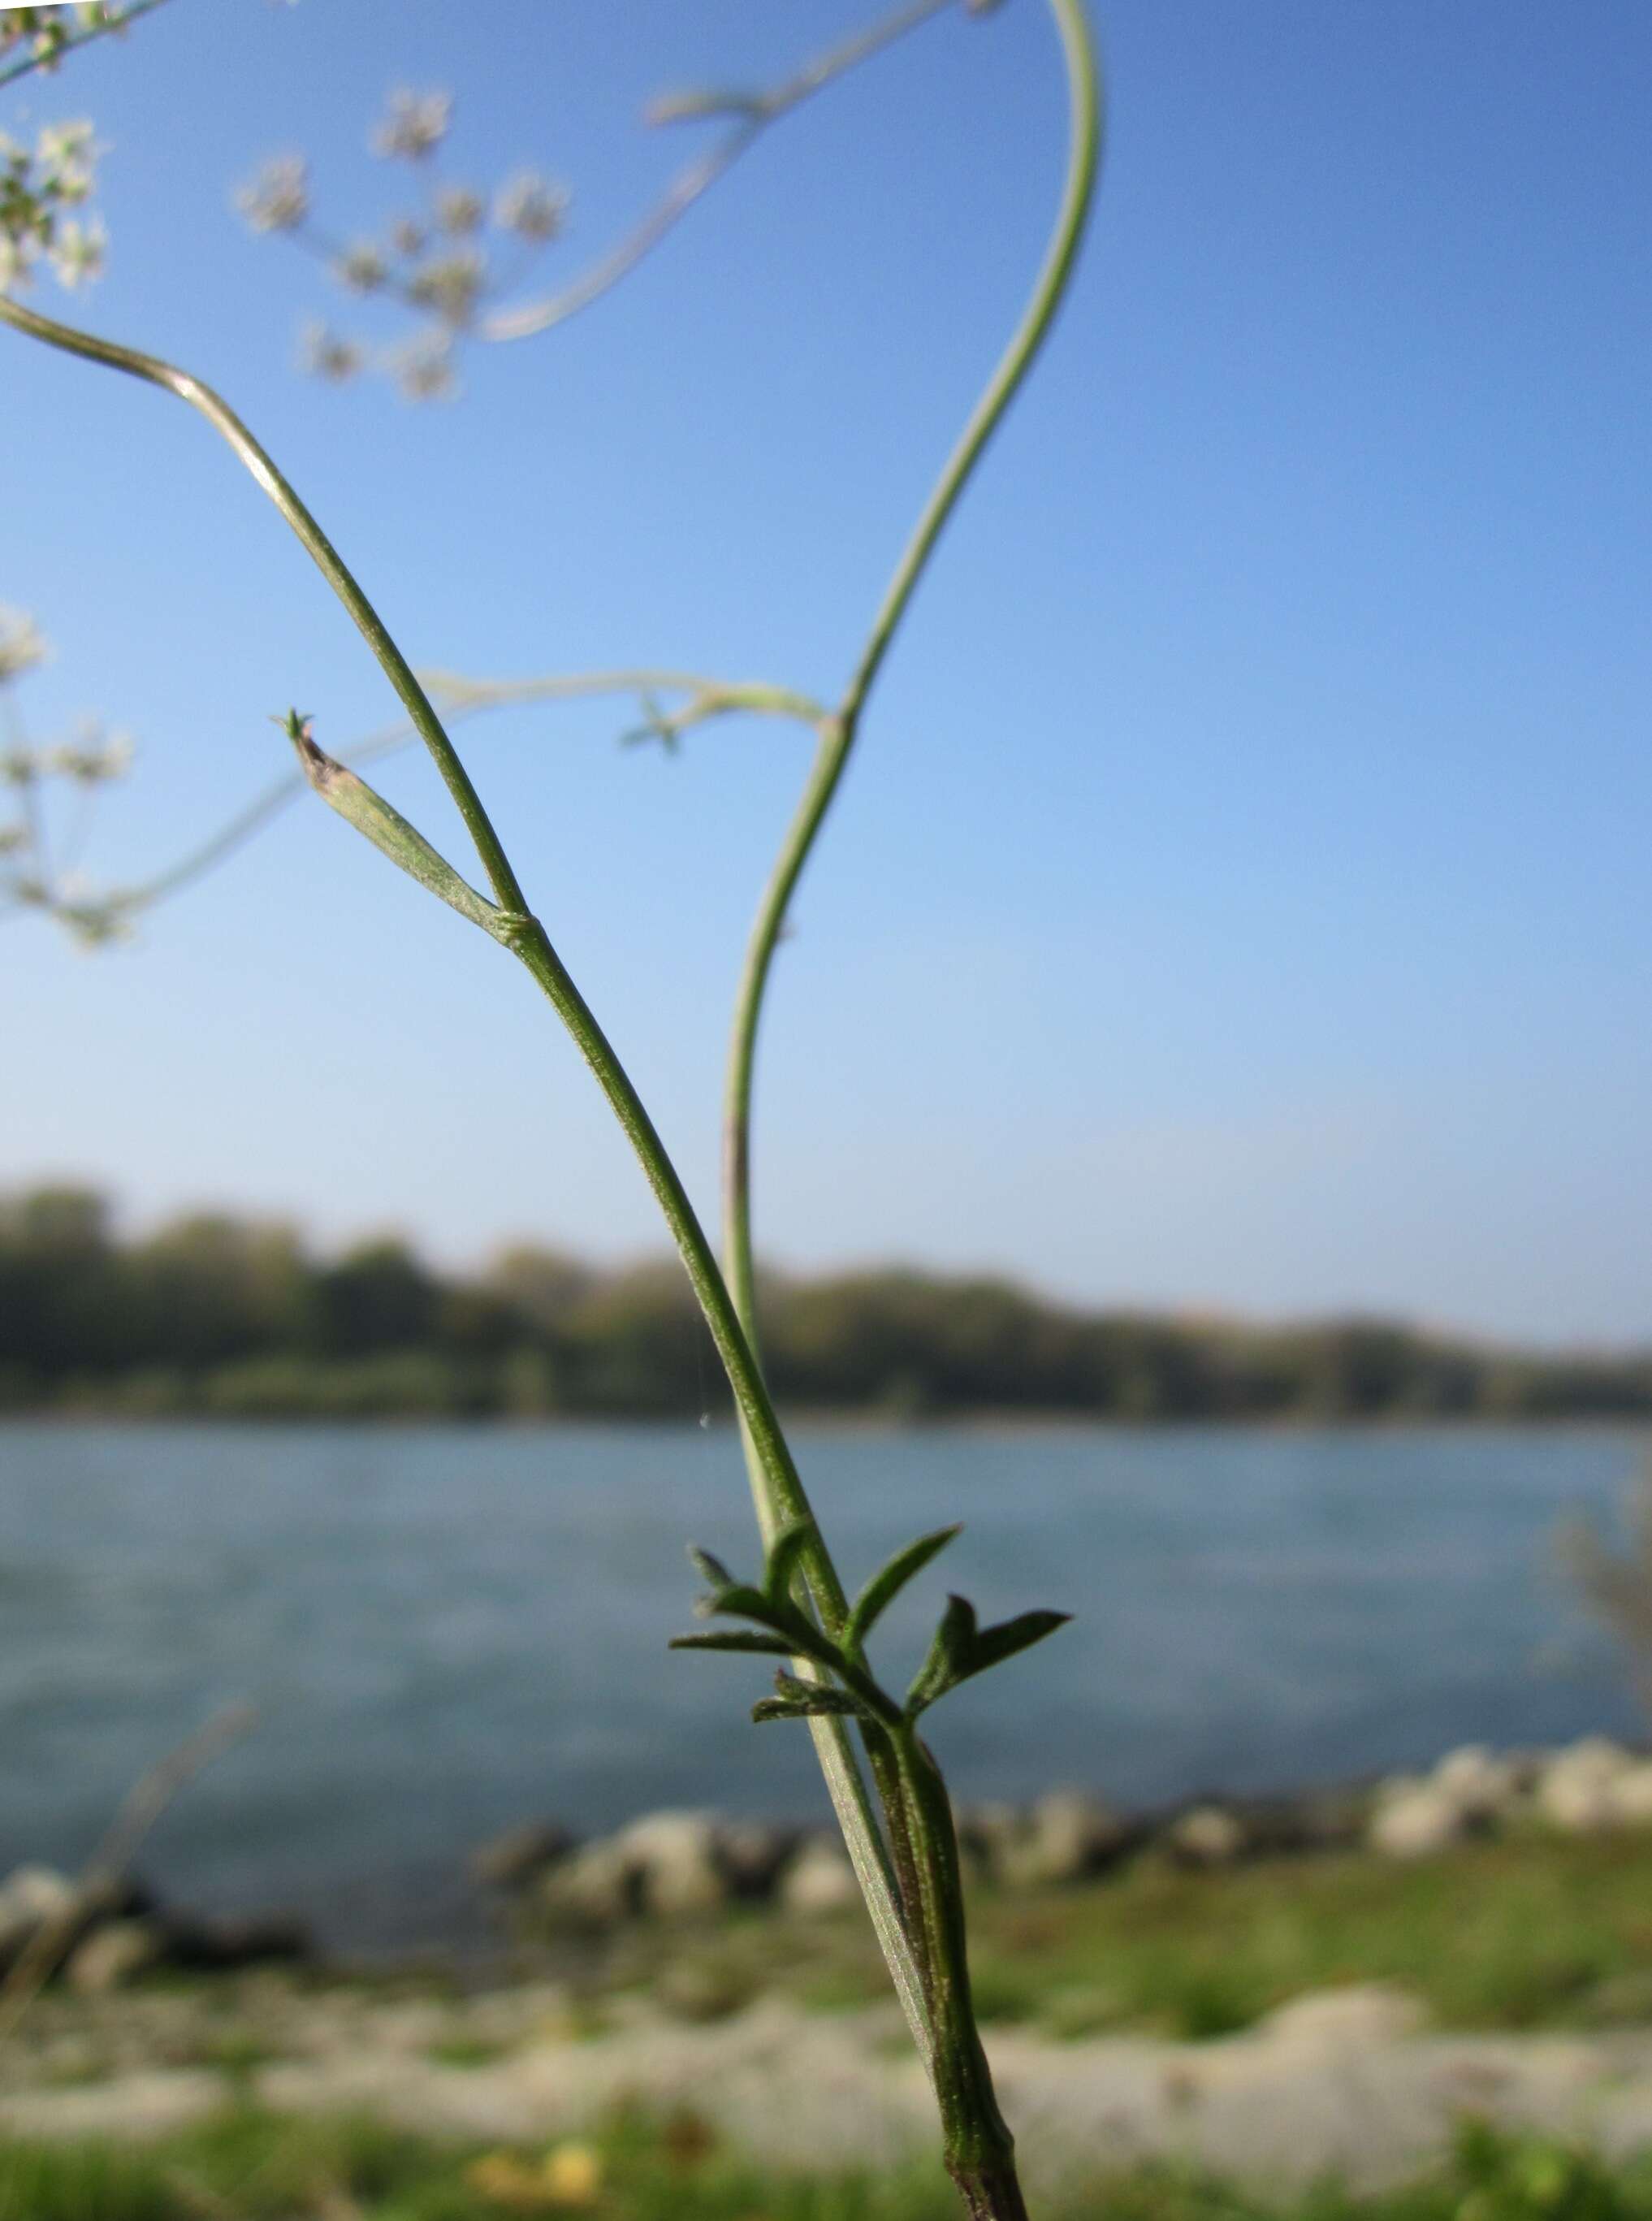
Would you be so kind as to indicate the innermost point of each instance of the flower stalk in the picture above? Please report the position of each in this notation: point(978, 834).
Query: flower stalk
point(909, 1871)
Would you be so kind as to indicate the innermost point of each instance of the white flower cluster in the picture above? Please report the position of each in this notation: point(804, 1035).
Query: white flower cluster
point(439, 262)
point(413, 125)
point(37, 184)
point(277, 198)
point(93, 757)
point(24, 646)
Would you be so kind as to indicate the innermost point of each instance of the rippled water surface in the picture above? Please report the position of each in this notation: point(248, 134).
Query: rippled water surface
point(446, 1630)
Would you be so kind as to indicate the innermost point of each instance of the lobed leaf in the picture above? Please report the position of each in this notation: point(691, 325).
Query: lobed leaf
point(961, 1648)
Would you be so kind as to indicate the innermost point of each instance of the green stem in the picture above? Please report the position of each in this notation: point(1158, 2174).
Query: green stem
point(917, 1812)
point(838, 733)
point(756, 115)
point(782, 1486)
point(327, 559)
point(978, 2147)
point(531, 945)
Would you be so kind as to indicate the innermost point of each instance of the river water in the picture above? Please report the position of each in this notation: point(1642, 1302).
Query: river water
point(447, 1629)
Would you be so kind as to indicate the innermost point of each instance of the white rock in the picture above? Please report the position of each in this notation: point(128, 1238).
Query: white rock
point(1631, 1795)
point(113, 1956)
point(1358, 2014)
point(1207, 1836)
point(1575, 1790)
point(679, 1858)
point(1416, 1819)
point(819, 1880)
point(1484, 1786)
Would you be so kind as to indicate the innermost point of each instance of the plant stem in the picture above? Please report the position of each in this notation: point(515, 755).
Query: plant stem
point(917, 1811)
point(506, 888)
point(755, 114)
point(76, 40)
point(838, 733)
point(783, 1487)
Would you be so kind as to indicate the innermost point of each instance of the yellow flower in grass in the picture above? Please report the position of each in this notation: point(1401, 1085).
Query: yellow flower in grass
point(574, 2175)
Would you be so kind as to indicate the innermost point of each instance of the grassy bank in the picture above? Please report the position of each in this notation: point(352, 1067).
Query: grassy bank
point(249, 2167)
point(1530, 1932)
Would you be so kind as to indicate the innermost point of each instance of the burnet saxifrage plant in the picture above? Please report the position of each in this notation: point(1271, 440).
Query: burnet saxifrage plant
point(894, 1809)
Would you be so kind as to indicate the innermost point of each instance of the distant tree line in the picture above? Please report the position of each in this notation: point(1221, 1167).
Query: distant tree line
point(225, 1317)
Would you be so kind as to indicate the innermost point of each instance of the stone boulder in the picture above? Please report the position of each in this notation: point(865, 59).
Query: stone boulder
point(1207, 1836)
point(1578, 1790)
point(33, 1898)
point(115, 1955)
point(1418, 1820)
point(1064, 1836)
point(513, 1859)
point(819, 1880)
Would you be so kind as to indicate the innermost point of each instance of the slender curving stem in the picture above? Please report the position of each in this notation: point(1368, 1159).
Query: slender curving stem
point(760, 1427)
point(74, 40)
point(839, 732)
point(754, 117)
point(980, 2150)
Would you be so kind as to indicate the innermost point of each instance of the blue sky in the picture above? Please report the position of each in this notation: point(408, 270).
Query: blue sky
point(1240, 900)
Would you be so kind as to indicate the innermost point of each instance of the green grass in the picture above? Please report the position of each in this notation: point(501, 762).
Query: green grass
point(1530, 1931)
point(247, 2167)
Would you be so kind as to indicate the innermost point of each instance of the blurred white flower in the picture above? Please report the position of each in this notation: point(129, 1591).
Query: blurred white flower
point(361, 267)
point(531, 207)
point(407, 237)
point(452, 286)
point(65, 154)
point(92, 759)
point(78, 252)
point(459, 210)
point(24, 646)
point(278, 198)
point(17, 254)
point(424, 371)
point(413, 125)
point(324, 354)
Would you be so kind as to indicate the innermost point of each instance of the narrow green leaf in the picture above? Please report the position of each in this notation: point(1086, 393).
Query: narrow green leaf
point(742, 1602)
point(735, 1638)
point(994, 1644)
point(711, 1571)
point(887, 1584)
point(390, 834)
point(961, 1649)
point(944, 1667)
point(816, 1704)
point(784, 1554)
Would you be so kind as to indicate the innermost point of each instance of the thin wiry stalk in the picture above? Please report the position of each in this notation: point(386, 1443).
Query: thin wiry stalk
point(531, 943)
point(463, 697)
point(756, 112)
point(840, 731)
point(979, 2150)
